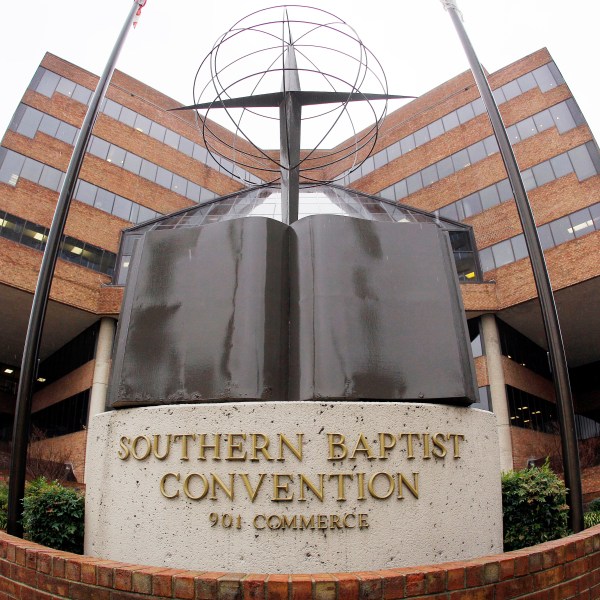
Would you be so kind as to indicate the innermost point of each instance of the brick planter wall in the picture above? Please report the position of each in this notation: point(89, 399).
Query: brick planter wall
point(567, 568)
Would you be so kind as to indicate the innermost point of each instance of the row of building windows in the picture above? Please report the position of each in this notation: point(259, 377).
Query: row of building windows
point(46, 82)
point(71, 249)
point(566, 113)
point(545, 77)
point(551, 234)
point(148, 170)
point(14, 165)
point(580, 160)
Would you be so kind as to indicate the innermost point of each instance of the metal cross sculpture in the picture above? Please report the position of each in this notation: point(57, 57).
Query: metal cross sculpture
point(292, 98)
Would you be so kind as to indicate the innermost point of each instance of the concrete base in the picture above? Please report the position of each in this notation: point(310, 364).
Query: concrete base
point(293, 487)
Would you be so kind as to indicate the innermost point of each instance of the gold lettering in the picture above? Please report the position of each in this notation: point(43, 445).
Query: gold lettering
point(341, 488)
point(202, 446)
point(409, 442)
point(186, 486)
point(307, 523)
point(306, 483)
point(184, 443)
point(255, 521)
point(252, 492)
point(217, 481)
point(279, 487)
point(383, 447)
point(362, 521)
point(440, 450)
point(277, 521)
point(426, 450)
point(362, 446)
point(361, 486)
point(333, 444)
point(456, 438)
point(123, 443)
point(263, 447)
point(334, 522)
point(162, 485)
point(346, 524)
point(413, 488)
point(233, 446)
point(155, 445)
point(291, 524)
point(321, 521)
point(297, 452)
point(134, 452)
point(371, 485)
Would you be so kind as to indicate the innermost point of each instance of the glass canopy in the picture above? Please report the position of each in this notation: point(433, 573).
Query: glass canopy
point(265, 201)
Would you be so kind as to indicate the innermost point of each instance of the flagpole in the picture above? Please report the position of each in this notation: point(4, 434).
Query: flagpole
point(29, 363)
point(556, 350)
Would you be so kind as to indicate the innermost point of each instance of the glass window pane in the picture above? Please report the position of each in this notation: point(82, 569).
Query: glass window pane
point(545, 237)
point(414, 183)
point(172, 139)
point(50, 178)
point(116, 155)
point(472, 205)
point(401, 189)
point(47, 83)
point(421, 136)
point(445, 167)
point(145, 214)
point(86, 192)
point(99, 148)
point(503, 253)
point(581, 222)
point(380, 159)
point(104, 200)
point(157, 132)
point(513, 134)
point(543, 120)
point(491, 145)
point(449, 212)
point(582, 163)
point(122, 208)
point(429, 175)
point(511, 90)
point(544, 78)
point(65, 87)
point(562, 117)
point(132, 163)
point(486, 259)
point(200, 153)
point(561, 230)
point(526, 128)
point(465, 113)
point(186, 146)
point(489, 197)
point(193, 191)
point(504, 190)
point(499, 96)
point(179, 184)
point(66, 133)
point(32, 169)
point(164, 177)
point(11, 168)
point(460, 160)
point(477, 152)
point(595, 212)
point(148, 170)
point(367, 166)
point(394, 151)
point(561, 165)
point(435, 129)
point(30, 122)
point(543, 173)
point(527, 82)
point(528, 179)
point(407, 144)
point(49, 125)
point(81, 94)
point(142, 123)
point(127, 116)
point(478, 106)
point(112, 109)
point(519, 247)
point(450, 121)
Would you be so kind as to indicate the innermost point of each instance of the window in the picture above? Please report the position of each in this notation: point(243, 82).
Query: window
point(582, 163)
point(127, 116)
point(503, 253)
point(465, 113)
point(450, 121)
point(562, 117)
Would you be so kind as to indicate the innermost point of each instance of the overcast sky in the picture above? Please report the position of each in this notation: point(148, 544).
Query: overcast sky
point(413, 39)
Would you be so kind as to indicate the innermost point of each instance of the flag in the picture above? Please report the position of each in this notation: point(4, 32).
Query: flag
point(138, 13)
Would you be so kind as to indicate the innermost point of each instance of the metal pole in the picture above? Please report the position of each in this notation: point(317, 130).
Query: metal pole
point(20, 439)
point(556, 351)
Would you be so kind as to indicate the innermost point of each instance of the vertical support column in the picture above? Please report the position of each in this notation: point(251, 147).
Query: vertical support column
point(104, 346)
point(493, 357)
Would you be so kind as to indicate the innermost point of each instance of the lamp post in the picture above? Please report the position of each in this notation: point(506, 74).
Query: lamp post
point(29, 363)
point(556, 351)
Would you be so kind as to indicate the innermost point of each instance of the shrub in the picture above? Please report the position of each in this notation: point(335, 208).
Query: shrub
point(594, 505)
point(591, 518)
point(533, 506)
point(3, 504)
point(53, 515)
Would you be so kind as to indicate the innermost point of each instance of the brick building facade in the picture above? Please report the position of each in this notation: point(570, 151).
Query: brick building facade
point(435, 154)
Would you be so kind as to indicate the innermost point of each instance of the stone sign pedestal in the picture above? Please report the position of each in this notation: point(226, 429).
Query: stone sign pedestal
point(293, 487)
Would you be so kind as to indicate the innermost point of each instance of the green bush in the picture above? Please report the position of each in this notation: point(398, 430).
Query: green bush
point(533, 506)
point(3, 504)
point(53, 515)
point(594, 505)
point(591, 518)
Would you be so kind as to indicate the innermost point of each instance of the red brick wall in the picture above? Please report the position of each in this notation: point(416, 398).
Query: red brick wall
point(567, 568)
